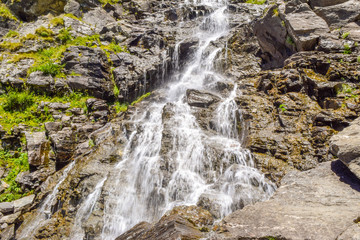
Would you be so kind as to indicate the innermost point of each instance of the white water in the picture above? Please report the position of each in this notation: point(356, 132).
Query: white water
point(44, 212)
point(171, 161)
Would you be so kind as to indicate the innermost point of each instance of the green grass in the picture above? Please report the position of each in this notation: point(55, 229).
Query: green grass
point(259, 2)
point(48, 68)
point(358, 59)
point(347, 49)
point(22, 108)
point(11, 46)
point(282, 107)
point(16, 163)
point(120, 107)
point(5, 13)
point(65, 36)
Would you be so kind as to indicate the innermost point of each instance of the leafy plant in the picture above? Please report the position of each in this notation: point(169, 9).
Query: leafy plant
point(276, 12)
point(64, 35)
point(12, 34)
point(347, 49)
point(48, 68)
point(282, 107)
point(57, 21)
point(120, 107)
point(358, 59)
point(139, 99)
point(44, 32)
point(259, 2)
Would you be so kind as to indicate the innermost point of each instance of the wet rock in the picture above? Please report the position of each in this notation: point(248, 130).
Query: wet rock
point(307, 205)
point(184, 222)
point(94, 104)
point(345, 145)
point(30, 181)
point(7, 207)
point(201, 99)
point(38, 148)
point(64, 145)
point(23, 203)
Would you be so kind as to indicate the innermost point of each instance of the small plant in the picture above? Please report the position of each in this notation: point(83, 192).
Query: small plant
point(358, 59)
point(347, 49)
point(44, 32)
point(282, 107)
point(48, 68)
point(57, 22)
point(345, 35)
point(29, 36)
point(64, 35)
point(108, 1)
point(276, 12)
point(289, 40)
point(91, 143)
point(18, 101)
point(12, 34)
point(116, 90)
point(120, 107)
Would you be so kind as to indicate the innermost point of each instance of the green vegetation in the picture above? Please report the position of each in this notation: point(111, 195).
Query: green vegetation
point(345, 35)
point(276, 12)
point(259, 2)
point(5, 13)
point(358, 59)
point(109, 1)
point(22, 107)
point(290, 41)
point(11, 46)
point(347, 49)
point(44, 32)
point(29, 36)
point(282, 107)
point(57, 21)
point(48, 68)
point(16, 162)
point(91, 143)
point(64, 36)
point(120, 107)
point(139, 99)
point(12, 34)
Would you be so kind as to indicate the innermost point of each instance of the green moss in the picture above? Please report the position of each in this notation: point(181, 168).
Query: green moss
point(109, 1)
point(57, 21)
point(70, 15)
point(64, 35)
point(12, 34)
point(88, 41)
point(290, 41)
point(139, 99)
point(44, 32)
point(16, 163)
point(29, 36)
point(276, 12)
point(259, 2)
point(11, 46)
point(5, 13)
point(114, 47)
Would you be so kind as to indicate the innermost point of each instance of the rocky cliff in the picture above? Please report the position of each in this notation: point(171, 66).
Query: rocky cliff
point(84, 82)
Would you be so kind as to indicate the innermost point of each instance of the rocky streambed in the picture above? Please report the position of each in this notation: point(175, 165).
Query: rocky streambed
point(181, 120)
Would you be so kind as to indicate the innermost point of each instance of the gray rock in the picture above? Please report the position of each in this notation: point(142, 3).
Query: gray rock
point(309, 205)
point(325, 3)
point(10, 219)
point(304, 26)
point(198, 98)
point(341, 14)
point(345, 145)
point(37, 81)
point(352, 233)
point(52, 127)
point(98, 18)
point(7, 207)
point(38, 148)
point(73, 7)
point(23, 203)
point(8, 233)
point(64, 144)
point(94, 104)
point(59, 106)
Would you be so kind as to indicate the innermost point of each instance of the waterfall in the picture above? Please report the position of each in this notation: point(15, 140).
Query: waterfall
point(170, 160)
point(45, 211)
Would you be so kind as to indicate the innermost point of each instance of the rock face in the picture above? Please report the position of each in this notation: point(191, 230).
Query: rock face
point(317, 204)
point(180, 223)
point(346, 144)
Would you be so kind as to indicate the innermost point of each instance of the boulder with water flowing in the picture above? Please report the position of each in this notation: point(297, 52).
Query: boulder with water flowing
point(201, 99)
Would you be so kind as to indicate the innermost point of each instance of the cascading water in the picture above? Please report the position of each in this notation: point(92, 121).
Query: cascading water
point(170, 160)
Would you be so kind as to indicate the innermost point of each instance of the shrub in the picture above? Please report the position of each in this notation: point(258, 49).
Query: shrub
point(18, 101)
point(5, 13)
point(289, 40)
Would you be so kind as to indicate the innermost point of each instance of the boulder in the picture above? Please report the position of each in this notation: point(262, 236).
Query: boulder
point(64, 144)
point(345, 145)
point(38, 148)
point(201, 99)
point(7, 207)
point(317, 204)
point(23, 203)
point(37, 81)
point(341, 14)
point(325, 3)
point(303, 25)
point(8, 233)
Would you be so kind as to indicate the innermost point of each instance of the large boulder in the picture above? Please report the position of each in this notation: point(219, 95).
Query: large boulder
point(346, 144)
point(317, 204)
point(38, 148)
